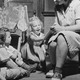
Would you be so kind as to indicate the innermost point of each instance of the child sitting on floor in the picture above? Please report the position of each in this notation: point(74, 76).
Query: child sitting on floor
point(14, 54)
point(34, 49)
point(9, 69)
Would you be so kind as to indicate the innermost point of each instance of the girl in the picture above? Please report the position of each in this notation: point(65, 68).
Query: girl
point(15, 55)
point(8, 68)
point(34, 49)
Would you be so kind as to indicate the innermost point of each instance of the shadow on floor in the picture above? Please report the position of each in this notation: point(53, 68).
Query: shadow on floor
point(70, 68)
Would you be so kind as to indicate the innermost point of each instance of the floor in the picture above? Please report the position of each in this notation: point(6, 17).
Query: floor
point(71, 71)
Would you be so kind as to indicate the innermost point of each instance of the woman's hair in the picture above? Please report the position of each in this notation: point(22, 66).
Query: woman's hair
point(63, 6)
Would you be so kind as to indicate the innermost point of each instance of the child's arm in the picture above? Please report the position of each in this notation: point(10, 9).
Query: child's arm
point(14, 55)
point(36, 39)
point(19, 59)
point(17, 53)
point(43, 48)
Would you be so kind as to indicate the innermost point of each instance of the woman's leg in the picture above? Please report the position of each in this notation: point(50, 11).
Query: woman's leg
point(61, 54)
point(61, 51)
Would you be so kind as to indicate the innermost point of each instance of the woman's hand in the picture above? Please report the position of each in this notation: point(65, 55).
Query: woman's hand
point(57, 28)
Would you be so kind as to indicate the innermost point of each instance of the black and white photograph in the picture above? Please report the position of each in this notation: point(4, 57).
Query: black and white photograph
point(39, 39)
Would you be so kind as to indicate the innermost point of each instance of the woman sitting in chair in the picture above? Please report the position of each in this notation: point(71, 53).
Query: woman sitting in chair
point(67, 38)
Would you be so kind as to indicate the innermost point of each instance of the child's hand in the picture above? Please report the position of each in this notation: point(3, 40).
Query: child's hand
point(14, 55)
point(46, 46)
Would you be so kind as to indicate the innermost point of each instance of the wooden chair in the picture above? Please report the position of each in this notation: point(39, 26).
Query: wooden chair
point(18, 35)
point(12, 17)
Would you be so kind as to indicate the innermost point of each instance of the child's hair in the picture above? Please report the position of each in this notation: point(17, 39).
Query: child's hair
point(34, 18)
point(3, 36)
point(31, 21)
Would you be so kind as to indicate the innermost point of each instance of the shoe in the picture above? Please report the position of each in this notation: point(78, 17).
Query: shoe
point(57, 76)
point(39, 67)
point(32, 68)
point(49, 74)
point(27, 74)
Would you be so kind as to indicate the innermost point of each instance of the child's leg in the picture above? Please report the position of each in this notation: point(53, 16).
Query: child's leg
point(40, 53)
point(28, 53)
point(29, 68)
point(41, 56)
point(11, 64)
point(15, 73)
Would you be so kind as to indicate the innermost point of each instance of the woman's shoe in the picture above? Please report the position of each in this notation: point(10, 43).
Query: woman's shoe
point(57, 76)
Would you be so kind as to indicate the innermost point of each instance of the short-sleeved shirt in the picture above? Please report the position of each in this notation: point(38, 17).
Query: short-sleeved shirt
point(4, 56)
point(72, 14)
point(68, 18)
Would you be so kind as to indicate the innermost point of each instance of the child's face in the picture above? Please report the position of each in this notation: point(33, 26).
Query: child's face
point(36, 27)
point(8, 38)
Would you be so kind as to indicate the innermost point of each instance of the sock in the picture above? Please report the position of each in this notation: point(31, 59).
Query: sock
point(59, 70)
point(25, 66)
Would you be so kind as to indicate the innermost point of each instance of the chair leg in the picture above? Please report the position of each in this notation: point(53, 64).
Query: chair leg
point(79, 58)
point(19, 43)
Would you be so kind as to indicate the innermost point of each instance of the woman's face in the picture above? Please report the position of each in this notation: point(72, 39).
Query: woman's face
point(59, 2)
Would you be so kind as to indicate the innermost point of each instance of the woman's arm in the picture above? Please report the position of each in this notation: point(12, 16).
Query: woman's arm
point(75, 28)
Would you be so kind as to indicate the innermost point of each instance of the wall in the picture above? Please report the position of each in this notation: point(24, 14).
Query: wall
point(48, 14)
point(49, 5)
point(48, 21)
